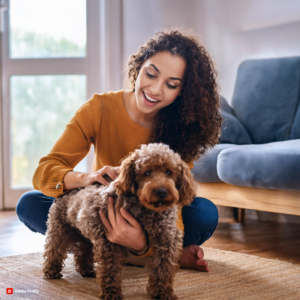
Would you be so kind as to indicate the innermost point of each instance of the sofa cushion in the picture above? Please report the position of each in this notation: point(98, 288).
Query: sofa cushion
point(270, 166)
point(205, 168)
point(295, 134)
point(224, 106)
point(232, 130)
point(266, 98)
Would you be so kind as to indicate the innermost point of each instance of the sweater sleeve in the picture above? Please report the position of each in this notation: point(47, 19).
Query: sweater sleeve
point(71, 147)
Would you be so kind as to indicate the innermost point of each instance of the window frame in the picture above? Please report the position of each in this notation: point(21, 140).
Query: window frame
point(89, 66)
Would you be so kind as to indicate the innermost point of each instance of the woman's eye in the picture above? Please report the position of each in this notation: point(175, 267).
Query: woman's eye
point(147, 173)
point(172, 87)
point(169, 85)
point(168, 172)
point(151, 76)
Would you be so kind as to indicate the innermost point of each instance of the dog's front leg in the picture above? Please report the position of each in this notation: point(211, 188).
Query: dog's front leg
point(58, 240)
point(164, 266)
point(109, 258)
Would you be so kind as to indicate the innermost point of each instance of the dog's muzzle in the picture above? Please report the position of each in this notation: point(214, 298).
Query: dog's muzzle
point(161, 192)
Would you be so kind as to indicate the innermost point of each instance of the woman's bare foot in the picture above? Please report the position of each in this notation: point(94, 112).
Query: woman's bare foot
point(192, 258)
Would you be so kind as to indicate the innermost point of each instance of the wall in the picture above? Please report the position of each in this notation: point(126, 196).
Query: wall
point(143, 18)
point(234, 31)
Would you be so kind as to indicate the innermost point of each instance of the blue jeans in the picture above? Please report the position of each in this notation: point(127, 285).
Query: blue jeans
point(200, 218)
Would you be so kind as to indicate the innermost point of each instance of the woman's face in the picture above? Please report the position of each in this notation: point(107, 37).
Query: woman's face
point(159, 82)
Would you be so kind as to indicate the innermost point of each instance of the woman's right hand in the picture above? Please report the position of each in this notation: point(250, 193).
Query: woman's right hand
point(97, 176)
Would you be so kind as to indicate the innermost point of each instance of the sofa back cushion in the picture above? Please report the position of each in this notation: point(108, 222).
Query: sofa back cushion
point(232, 130)
point(295, 134)
point(266, 98)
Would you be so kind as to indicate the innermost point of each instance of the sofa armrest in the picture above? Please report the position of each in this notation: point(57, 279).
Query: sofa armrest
point(205, 168)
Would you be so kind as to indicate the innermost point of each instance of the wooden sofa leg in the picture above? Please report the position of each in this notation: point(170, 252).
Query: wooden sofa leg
point(239, 214)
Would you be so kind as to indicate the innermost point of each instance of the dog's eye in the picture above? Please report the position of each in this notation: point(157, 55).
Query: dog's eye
point(147, 173)
point(169, 172)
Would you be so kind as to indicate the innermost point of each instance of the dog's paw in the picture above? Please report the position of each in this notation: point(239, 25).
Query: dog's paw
point(171, 296)
point(52, 275)
point(88, 273)
point(164, 296)
point(110, 297)
point(111, 294)
point(161, 294)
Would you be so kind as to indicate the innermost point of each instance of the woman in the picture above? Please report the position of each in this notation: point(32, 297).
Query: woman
point(173, 99)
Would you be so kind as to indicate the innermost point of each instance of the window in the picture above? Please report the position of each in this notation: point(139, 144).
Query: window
point(50, 59)
point(44, 29)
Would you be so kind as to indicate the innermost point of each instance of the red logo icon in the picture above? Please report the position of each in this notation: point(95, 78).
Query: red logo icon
point(9, 291)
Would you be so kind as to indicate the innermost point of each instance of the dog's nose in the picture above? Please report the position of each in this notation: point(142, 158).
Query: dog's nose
point(161, 193)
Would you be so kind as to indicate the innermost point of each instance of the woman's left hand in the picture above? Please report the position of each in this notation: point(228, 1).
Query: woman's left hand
point(120, 232)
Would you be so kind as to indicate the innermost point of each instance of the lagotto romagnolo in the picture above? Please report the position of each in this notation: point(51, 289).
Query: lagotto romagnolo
point(152, 184)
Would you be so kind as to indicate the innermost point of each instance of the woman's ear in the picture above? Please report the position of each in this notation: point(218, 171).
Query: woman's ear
point(125, 181)
point(186, 185)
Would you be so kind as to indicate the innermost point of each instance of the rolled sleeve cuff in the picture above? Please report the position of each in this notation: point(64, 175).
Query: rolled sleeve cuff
point(56, 189)
point(150, 252)
point(147, 251)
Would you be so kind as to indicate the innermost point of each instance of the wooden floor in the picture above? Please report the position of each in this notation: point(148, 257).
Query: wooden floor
point(265, 239)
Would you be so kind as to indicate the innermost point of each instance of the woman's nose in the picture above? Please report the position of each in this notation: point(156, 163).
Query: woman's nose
point(156, 89)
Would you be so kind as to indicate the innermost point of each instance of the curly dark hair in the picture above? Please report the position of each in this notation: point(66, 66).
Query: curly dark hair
point(192, 123)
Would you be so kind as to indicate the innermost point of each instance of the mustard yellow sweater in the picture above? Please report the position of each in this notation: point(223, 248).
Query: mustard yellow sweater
point(104, 122)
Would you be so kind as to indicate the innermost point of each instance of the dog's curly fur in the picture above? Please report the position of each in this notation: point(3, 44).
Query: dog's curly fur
point(152, 183)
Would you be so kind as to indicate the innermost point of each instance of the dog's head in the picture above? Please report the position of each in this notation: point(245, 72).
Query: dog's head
point(158, 176)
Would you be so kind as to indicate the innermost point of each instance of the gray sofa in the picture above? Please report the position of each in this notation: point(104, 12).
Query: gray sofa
point(259, 151)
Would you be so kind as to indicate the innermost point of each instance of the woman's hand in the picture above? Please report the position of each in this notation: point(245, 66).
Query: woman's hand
point(112, 172)
point(129, 234)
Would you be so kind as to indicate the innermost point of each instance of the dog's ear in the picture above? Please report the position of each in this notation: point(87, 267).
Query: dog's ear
point(125, 181)
point(186, 186)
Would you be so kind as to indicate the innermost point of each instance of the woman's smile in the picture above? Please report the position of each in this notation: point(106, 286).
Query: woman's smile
point(150, 100)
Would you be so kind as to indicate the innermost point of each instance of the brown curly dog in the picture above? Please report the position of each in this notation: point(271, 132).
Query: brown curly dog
point(152, 183)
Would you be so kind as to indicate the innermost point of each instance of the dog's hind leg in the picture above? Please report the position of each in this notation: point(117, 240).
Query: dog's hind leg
point(110, 258)
point(84, 257)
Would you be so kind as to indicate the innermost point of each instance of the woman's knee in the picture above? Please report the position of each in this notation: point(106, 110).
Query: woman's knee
point(202, 211)
point(211, 209)
point(200, 220)
point(25, 204)
point(32, 210)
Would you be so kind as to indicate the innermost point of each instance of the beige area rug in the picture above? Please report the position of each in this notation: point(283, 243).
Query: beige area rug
point(232, 276)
